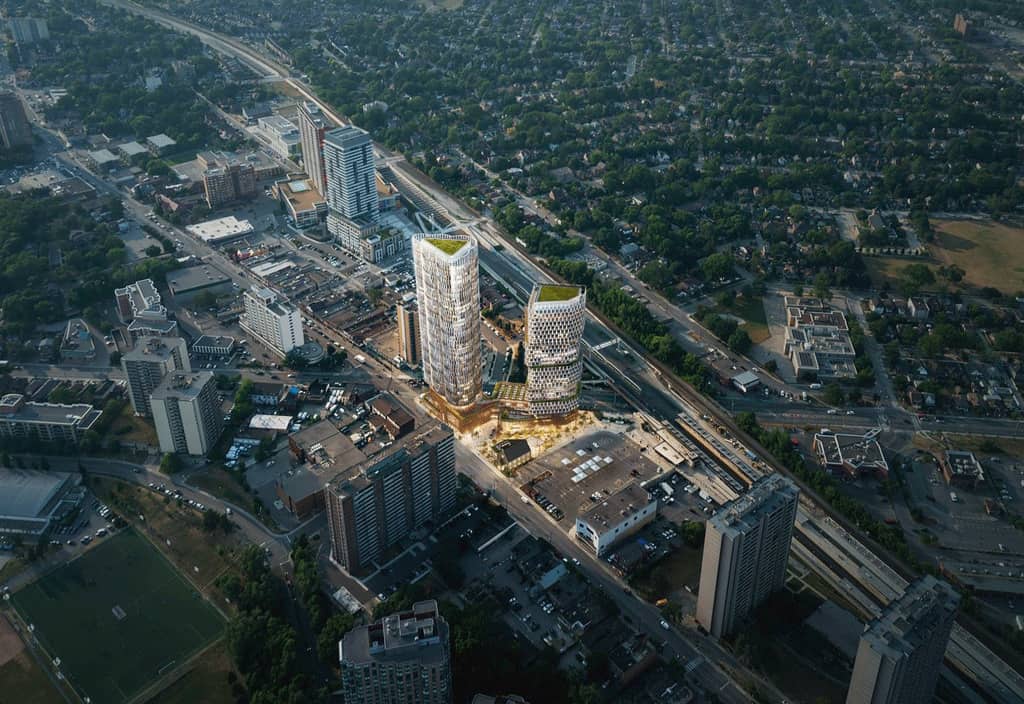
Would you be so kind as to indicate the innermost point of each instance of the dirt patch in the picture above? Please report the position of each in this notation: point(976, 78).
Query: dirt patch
point(10, 644)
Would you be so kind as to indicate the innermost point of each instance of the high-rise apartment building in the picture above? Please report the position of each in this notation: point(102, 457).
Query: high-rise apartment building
point(312, 127)
point(353, 201)
point(186, 413)
point(15, 130)
point(746, 549)
point(377, 502)
point(409, 333)
point(276, 324)
point(404, 658)
point(228, 181)
point(448, 297)
point(350, 172)
point(901, 651)
point(146, 365)
point(554, 329)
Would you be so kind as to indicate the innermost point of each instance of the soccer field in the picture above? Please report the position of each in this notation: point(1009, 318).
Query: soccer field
point(118, 617)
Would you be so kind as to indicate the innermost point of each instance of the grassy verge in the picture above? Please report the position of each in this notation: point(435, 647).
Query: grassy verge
point(677, 570)
point(177, 529)
point(222, 484)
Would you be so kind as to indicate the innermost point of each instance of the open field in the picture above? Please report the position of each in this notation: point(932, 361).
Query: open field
point(990, 253)
point(751, 310)
point(21, 678)
point(206, 682)
point(177, 529)
point(118, 617)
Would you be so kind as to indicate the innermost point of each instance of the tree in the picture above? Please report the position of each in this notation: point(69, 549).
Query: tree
point(833, 395)
point(739, 341)
point(153, 251)
point(821, 286)
point(170, 463)
point(717, 266)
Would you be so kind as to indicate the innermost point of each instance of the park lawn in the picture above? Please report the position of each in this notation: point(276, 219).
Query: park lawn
point(222, 484)
point(206, 682)
point(177, 529)
point(992, 254)
point(118, 617)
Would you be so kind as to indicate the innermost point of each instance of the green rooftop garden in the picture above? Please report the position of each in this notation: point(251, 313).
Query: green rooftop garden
point(447, 246)
point(557, 293)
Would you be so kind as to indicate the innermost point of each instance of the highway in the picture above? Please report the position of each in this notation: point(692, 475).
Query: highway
point(637, 378)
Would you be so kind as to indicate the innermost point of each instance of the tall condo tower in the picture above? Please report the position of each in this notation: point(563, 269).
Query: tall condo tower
point(350, 177)
point(312, 127)
point(901, 652)
point(448, 295)
point(746, 549)
point(554, 329)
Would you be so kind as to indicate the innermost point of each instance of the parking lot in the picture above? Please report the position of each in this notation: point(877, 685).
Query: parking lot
point(573, 477)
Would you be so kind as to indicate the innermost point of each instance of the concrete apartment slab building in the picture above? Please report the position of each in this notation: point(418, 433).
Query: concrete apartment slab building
point(373, 505)
point(47, 422)
point(746, 550)
point(186, 413)
point(901, 652)
point(146, 365)
point(616, 517)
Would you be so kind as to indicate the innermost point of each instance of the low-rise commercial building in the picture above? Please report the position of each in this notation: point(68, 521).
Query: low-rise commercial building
point(221, 230)
point(186, 413)
point(46, 422)
point(818, 340)
point(616, 517)
point(322, 453)
point(281, 135)
point(305, 206)
point(405, 658)
point(961, 469)
point(31, 502)
point(213, 346)
point(852, 455)
point(76, 343)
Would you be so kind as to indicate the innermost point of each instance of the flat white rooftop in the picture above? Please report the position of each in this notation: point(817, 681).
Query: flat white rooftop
point(221, 229)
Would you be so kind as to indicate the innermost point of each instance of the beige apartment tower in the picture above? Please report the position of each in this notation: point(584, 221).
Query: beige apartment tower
point(901, 652)
point(746, 550)
point(186, 413)
point(448, 295)
point(554, 329)
point(146, 365)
